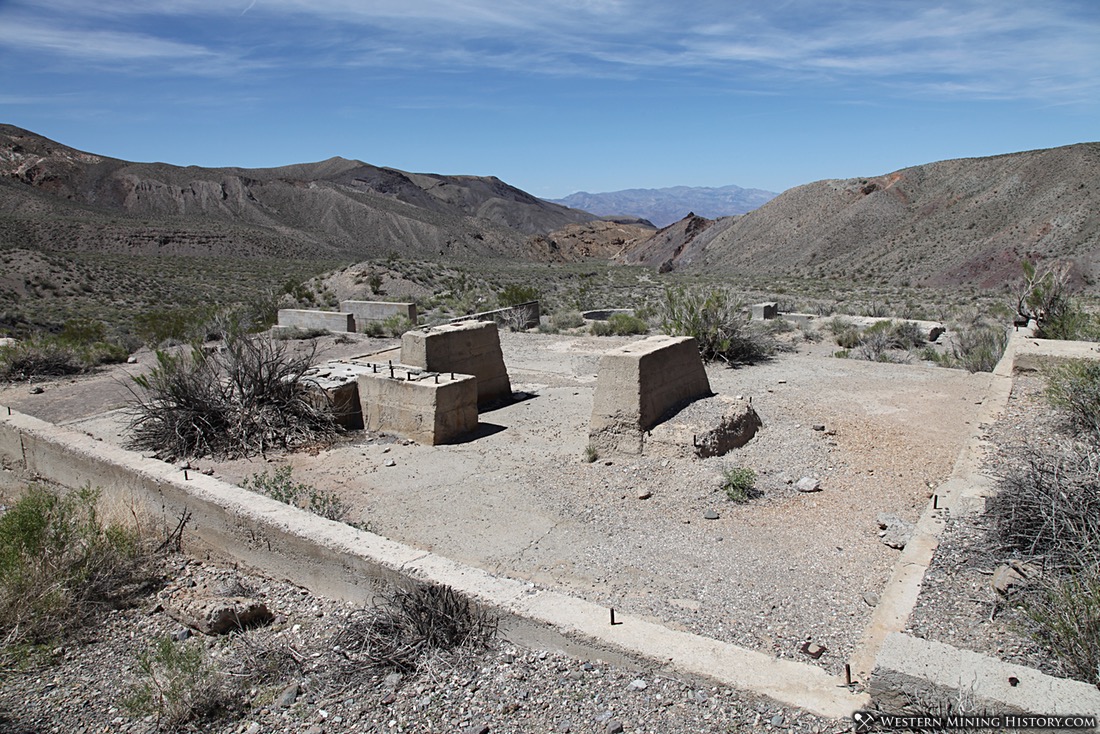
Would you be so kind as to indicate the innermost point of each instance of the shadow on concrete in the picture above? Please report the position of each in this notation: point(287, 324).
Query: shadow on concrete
point(516, 397)
point(483, 430)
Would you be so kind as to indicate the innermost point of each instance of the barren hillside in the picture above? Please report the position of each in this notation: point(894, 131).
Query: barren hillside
point(961, 221)
point(55, 197)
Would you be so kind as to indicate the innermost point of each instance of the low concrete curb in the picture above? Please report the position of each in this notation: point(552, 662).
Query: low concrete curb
point(927, 669)
point(342, 562)
point(896, 661)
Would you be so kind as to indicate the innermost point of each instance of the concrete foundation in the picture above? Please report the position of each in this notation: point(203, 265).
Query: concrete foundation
point(367, 311)
point(305, 319)
point(765, 311)
point(466, 347)
point(428, 408)
point(639, 384)
point(337, 383)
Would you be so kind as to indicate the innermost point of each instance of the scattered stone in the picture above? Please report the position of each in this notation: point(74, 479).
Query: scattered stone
point(819, 426)
point(37, 390)
point(895, 532)
point(288, 696)
point(638, 684)
point(392, 680)
point(710, 515)
point(870, 598)
point(389, 462)
point(1013, 576)
point(478, 729)
point(614, 727)
point(777, 720)
point(644, 494)
point(253, 728)
point(218, 615)
point(808, 484)
point(181, 634)
point(133, 360)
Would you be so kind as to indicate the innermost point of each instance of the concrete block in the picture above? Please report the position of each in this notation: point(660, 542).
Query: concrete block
point(912, 668)
point(765, 311)
point(637, 385)
point(366, 311)
point(306, 319)
point(466, 347)
point(428, 408)
point(336, 383)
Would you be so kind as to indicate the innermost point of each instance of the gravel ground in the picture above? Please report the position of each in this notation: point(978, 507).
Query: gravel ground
point(957, 603)
point(83, 686)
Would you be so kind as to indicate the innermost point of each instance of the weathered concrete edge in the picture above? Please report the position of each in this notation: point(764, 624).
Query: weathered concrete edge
point(884, 647)
point(912, 664)
point(342, 562)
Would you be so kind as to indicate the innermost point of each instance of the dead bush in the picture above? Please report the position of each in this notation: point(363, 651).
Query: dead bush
point(1048, 506)
point(244, 399)
point(411, 622)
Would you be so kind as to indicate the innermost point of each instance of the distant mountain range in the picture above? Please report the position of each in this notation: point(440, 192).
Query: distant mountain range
point(966, 222)
point(662, 207)
point(56, 197)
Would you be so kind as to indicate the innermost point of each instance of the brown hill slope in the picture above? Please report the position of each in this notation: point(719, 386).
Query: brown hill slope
point(960, 221)
point(55, 197)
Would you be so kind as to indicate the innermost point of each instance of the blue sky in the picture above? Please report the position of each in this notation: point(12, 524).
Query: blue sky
point(557, 97)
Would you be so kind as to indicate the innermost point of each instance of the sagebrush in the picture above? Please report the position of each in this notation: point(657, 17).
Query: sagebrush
point(246, 398)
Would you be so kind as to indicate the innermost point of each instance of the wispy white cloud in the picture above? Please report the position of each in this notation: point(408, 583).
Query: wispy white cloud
point(969, 47)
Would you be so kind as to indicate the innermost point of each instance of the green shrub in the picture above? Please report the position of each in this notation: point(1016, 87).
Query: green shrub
point(514, 295)
point(979, 348)
point(719, 325)
point(1074, 387)
point(739, 483)
point(591, 453)
point(179, 683)
point(171, 326)
point(39, 357)
point(281, 487)
point(566, 320)
point(59, 564)
point(1065, 615)
point(620, 324)
point(396, 325)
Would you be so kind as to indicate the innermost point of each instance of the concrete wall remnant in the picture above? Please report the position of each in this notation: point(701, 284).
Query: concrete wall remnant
point(765, 311)
point(306, 319)
point(429, 408)
point(367, 311)
point(638, 384)
point(466, 347)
